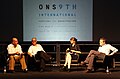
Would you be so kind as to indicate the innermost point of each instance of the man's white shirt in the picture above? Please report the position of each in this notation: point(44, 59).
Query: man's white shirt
point(34, 49)
point(11, 49)
point(107, 48)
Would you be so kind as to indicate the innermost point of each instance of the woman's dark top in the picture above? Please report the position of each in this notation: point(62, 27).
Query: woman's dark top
point(75, 47)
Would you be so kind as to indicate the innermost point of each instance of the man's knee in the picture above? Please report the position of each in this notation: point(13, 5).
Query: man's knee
point(11, 57)
point(40, 53)
point(93, 55)
point(92, 51)
point(23, 56)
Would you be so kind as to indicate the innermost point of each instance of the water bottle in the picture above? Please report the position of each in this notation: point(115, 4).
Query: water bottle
point(107, 70)
point(4, 69)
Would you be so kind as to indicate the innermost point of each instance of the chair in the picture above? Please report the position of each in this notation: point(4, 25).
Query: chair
point(106, 62)
point(74, 60)
point(34, 61)
point(17, 63)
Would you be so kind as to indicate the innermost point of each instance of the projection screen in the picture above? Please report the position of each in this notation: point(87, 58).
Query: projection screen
point(57, 20)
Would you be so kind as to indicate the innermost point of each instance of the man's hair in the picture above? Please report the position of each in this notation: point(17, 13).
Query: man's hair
point(104, 39)
point(34, 38)
point(13, 37)
point(73, 38)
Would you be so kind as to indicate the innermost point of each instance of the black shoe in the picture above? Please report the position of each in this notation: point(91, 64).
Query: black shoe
point(11, 71)
point(25, 70)
point(68, 70)
point(83, 63)
point(64, 68)
point(89, 71)
point(41, 70)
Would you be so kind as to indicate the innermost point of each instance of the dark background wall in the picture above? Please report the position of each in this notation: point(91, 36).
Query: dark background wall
point(11, 19)
point(106, 19)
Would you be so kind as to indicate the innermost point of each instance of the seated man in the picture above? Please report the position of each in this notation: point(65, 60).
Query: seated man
point(36, 51)
point(103, 50)
point(15, 53)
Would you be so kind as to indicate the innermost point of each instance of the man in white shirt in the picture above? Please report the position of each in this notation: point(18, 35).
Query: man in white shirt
point(15, 53)
point(36, 51)
point(103, 50)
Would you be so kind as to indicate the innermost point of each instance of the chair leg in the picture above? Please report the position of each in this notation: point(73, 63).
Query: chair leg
point(113, 62)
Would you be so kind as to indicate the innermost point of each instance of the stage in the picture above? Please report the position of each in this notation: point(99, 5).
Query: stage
point(56, 73)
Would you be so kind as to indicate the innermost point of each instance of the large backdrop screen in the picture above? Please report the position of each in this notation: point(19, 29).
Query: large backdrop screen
point(57, 20)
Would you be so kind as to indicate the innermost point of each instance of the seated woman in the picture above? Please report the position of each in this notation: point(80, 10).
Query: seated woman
point(72, 50)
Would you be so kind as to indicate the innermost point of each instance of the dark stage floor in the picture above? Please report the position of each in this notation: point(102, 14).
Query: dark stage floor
point(58, 74)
